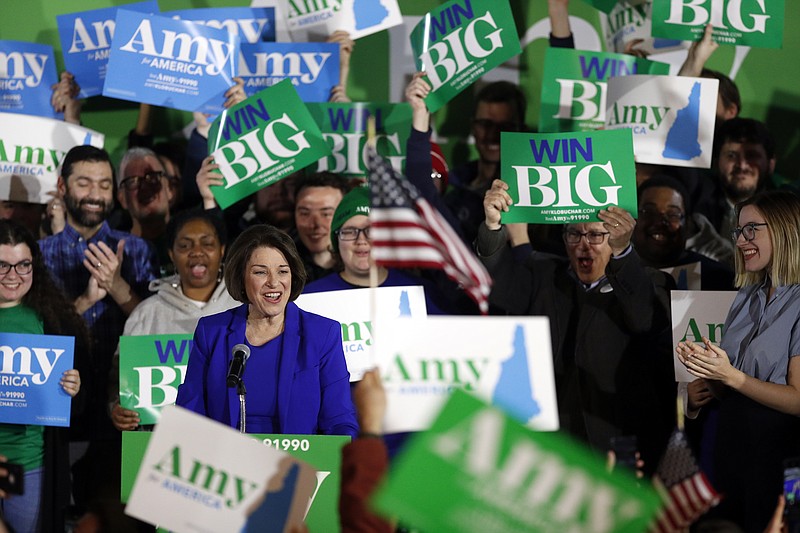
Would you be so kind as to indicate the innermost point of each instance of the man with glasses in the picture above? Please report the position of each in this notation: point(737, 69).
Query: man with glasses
point(669, 235)
point(105, 273)
point(144, 192)
point(609, 323)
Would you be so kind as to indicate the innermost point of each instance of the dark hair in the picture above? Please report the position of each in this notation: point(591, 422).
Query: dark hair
point(728, 90)
point(669, 182)
point(322, 179)
point(177, 223)
point(45, 297)
point(260, 236)
point(744, 130)
point(80, 154)
point(504, 92)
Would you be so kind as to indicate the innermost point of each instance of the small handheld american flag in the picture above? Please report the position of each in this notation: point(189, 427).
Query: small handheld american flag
point(407, 231)
point(685, 490)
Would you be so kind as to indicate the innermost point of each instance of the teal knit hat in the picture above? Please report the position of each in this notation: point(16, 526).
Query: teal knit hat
point(356, 202)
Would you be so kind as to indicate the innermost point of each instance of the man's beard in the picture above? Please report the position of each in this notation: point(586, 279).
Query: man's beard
point(82, 218)
point(738, 192)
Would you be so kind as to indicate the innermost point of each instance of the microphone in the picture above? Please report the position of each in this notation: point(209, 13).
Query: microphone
point(241, 352)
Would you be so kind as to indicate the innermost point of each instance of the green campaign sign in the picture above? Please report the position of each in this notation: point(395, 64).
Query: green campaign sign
point(344, 127)
point(603, 5)
point(261, 140)
point(756, 23)
point(461, 40)
point(574, 86)
point(555, 178)
point(323, 452)
point(484, 471)
point(151, 368)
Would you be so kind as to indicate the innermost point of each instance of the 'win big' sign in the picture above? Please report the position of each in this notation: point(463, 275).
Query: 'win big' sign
point(459, 42)
point(567, 177)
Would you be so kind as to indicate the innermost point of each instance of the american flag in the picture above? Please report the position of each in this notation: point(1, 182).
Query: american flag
point(406, 231)
point(685, 490)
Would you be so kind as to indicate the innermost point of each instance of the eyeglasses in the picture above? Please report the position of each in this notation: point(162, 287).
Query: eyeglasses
point(22, 268)
point(592, 237)
point(351, 234)
point(674, 218)
point(486, 124)
point(134, 182)
point(748, 231)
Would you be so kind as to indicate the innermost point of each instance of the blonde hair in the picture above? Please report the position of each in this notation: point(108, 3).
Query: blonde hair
point(781, 212)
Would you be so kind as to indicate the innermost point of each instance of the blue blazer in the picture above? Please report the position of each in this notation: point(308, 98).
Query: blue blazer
point(313, 381)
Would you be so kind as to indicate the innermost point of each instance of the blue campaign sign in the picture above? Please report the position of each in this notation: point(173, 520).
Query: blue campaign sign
point(86, 41)
point(313, 68)
point(27, 73)
point(30, 370)
point(170, 63)
point(251, 24)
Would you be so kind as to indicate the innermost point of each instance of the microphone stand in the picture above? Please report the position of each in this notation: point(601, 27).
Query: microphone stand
point(241, 391)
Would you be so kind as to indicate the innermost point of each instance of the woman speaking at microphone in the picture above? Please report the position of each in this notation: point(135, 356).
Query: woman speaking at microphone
point(295, 377)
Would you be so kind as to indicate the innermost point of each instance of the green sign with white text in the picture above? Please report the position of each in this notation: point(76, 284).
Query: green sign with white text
point(323, 452)
point(261, 140)
point(756, 23)
point(574, 86)
point(484, 471)
point(151, 368)
point(557, 178)
point(344, 127)
point(460, 41)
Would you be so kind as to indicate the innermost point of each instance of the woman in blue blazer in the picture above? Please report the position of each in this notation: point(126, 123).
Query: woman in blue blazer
point(296, 377)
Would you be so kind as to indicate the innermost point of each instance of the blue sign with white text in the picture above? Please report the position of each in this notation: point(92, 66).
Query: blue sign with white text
point(86, 41)
point(27, 73)
point(251, 24)
point(313, 68)
point(31, 367)
point(171, 63)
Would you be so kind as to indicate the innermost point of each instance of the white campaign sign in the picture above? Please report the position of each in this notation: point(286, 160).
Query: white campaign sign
point(352, 309)
point(672, 117)
point(200, 475)
point(627, 23)
point(31, 151)
point(359, 18)
point(697, 314)
point(507, 360)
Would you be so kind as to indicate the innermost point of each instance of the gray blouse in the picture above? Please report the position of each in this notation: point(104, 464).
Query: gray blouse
point(759, 336)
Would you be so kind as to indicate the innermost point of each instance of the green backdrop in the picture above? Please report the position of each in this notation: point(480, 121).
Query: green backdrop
point(769, 80)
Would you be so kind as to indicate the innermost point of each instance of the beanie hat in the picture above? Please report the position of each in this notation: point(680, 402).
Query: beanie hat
point(356, 202)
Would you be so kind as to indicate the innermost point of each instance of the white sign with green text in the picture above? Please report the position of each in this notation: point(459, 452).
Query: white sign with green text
point(698, 314)
point(31, 152)
point(200, 475)
point(352, 308)
point(508, 361)
point(671, 117)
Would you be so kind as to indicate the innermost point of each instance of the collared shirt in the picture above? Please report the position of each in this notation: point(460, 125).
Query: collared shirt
point(761, 336)
point(63, 255)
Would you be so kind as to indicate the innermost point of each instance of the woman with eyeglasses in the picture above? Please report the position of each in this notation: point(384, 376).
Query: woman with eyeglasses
point(755, 371)
point(31, 303)
point(353, 254)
